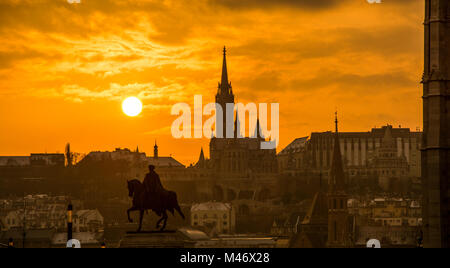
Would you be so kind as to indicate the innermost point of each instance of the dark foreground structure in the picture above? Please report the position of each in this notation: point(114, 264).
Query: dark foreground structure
point(436, 138)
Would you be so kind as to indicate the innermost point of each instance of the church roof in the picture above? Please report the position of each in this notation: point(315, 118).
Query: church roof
point(163, 162)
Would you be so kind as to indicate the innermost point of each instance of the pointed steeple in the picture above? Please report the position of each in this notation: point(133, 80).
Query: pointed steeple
point(258, 132)
point(224, 93)
point(237, 126)
point(201, 160)
point(337, 175)
point(137, 149)
point(224, 68)
point(225, 85)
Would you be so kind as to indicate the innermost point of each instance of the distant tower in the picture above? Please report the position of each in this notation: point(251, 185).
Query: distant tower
point(155, 151)
point(201, 160)
point(338, 235)
point(69, 155)
point(237, 126)
point(436, 125)
point(224, 92)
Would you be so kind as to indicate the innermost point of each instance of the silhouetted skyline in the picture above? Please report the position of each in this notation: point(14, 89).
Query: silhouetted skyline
point(65, 81)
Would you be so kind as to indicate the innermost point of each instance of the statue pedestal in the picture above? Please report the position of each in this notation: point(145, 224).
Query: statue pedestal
point(166, 239)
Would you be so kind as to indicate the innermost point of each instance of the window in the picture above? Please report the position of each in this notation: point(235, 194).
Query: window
point(225, 216)
point(195, 216)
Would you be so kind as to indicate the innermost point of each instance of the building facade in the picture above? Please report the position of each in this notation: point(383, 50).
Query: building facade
point(384, 155)
point(218, 217)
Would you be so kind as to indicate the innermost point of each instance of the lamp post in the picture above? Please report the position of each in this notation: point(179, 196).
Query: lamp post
point(69, 222)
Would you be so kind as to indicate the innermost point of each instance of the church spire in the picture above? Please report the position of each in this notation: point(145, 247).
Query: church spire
point(201, 160)
point(338, 233)
point(224, 68)
point(237, 126)
point(337, 175)
point(225, 86)
point(224, 93)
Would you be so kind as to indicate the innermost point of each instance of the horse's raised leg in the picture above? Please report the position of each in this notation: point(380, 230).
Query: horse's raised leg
point(141, 216)
point(128, 213)
point(165, 220)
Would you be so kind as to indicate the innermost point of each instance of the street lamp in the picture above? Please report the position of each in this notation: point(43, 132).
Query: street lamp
point(69, 222)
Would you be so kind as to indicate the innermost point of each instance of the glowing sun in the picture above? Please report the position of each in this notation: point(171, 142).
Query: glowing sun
point(132, 106)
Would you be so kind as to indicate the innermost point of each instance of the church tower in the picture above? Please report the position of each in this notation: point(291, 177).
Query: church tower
point(155, 151)
point(224, 92)
point(338, 235)
point(436, 125)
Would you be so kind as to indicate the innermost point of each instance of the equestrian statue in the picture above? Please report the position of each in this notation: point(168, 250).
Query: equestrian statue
point(151, 195)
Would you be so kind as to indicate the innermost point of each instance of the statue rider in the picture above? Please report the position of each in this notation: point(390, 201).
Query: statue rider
point(153, 187)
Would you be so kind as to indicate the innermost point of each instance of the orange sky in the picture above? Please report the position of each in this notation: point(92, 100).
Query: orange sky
point(65, 68)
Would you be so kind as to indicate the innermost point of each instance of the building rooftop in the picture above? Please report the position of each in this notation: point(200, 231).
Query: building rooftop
point(211, 206)
point(164, 162)
point(295, 146)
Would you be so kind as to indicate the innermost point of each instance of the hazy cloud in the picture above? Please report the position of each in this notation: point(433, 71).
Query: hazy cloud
point(304, 4)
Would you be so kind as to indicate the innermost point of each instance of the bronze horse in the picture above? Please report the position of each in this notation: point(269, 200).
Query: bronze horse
point(141, 203)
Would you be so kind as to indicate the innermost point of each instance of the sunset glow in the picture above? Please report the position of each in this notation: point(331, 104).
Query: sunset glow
point(66, 67)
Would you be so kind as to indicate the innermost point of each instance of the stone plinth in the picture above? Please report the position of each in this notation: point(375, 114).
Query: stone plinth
point(166, 239)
